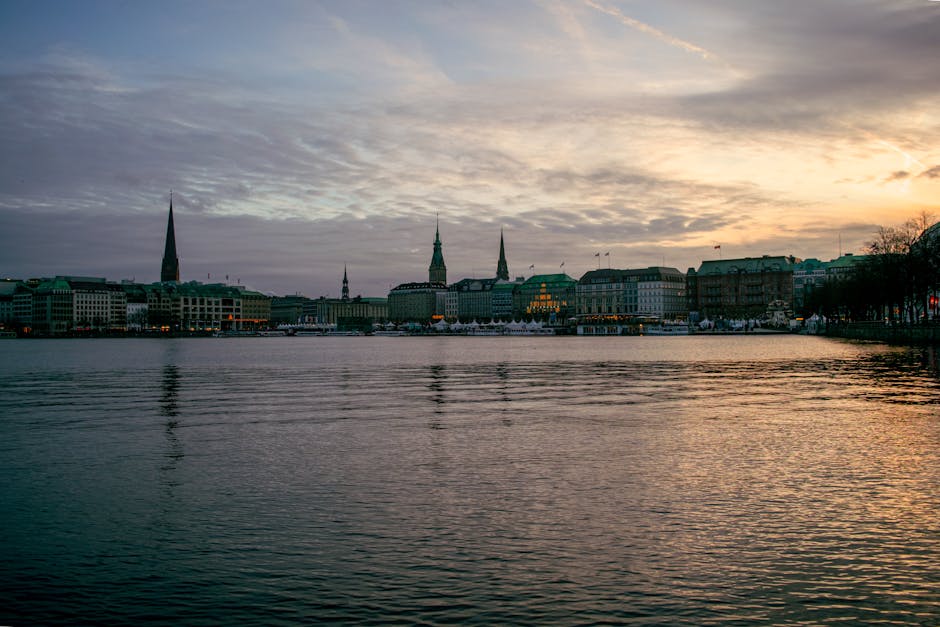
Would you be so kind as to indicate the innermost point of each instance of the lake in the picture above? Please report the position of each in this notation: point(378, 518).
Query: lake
point(727, 480)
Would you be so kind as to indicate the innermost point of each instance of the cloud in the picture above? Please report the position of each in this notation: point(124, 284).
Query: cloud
point(900, 175)
point(551, 124)
point(931, 173)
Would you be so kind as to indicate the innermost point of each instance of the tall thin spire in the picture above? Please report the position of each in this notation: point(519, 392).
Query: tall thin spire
point(170, 270)
point(502, 268)
point(345, 284)
point(437, 271)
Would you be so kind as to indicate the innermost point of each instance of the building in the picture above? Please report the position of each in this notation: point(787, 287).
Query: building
point(501, 297)
point(808, 275)
point(611, 301)
point(170, 268)
point(422, 302)
point(470, 299)
point(256, 310)
point(208, 307)
point(661, 293)
point(416, 302)
point(136, 297)
point(545, 297)
point(97, 305)
point(7, 290)
point(740, 288)
point(52, 312)
point(290, 310)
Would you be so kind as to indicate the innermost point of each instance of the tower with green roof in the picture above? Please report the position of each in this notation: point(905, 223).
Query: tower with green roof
point(437, 271)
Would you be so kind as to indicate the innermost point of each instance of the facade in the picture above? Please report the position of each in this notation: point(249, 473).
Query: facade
point(808, 275)
point(740, 288)
point(97, 305)
point(545, 297)
point(7, 290)
point(209, 307)
point(610, 301)
point(502, 298)
point(52, 307)
point(661, 293)
point(256, 309)
point(470, 299)
point(416, 302)
point(23, 305)
point(292, 309)
point(170, 268)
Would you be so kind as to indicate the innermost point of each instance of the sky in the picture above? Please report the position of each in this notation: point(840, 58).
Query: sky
point(299, 137)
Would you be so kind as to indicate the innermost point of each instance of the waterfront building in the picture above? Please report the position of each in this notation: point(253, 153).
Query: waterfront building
point(162, 312)
point(661, 293)
point(170, 268)
point(740, 288)
point(422, 302)
point(416, 302)
point(256, 309)
point(470, 299)
point(292, 309)
point(844, 266)
point(612, 301)
point(808, 275)
point(97, 305)
point(606, 302)
point(208, 307)
point(501, 297)
point(52, 307)
point(136, 297)
point(23, 305)
point(358, 313)
point(7, 290)
point(546, 297)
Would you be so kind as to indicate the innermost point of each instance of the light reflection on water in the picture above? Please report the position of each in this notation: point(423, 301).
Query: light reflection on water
point(379, 480)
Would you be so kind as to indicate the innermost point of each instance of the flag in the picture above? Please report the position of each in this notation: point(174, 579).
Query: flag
point(532, 267)
point(562, 265)
point(597, 254)
point(607, 254)
point(717, 246)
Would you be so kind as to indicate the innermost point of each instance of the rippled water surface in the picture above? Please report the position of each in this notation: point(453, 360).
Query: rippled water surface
point(676, 480)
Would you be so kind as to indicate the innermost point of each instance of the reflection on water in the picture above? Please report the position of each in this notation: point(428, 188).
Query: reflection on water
point(169, 408)
point(647, 480)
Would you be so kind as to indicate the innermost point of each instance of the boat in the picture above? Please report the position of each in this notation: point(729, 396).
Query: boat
point(665, 328)
point(271, 333)
point(7, 335)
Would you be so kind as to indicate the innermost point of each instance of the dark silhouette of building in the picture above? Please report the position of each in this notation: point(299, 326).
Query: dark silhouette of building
point(345, 285)
point(170, 270)
point(437, 271)
point(502, 268)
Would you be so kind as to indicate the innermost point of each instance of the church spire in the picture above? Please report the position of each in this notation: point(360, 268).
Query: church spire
point(170, 270)
point(502, 268)
point(437, 271)
point(345, 284)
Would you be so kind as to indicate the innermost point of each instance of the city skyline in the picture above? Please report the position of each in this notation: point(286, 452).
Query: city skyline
point(305, 137)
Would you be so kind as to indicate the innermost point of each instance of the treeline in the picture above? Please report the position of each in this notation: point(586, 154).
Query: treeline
point(897, 280)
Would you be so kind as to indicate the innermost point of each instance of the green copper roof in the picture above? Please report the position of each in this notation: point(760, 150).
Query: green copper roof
point(747, 264)
point(847, 261)
point(554, 279)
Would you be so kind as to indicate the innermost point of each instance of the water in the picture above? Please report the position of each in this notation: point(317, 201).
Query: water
point(676, 480)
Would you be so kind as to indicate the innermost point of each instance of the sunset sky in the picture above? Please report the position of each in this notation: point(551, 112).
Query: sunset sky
point(301, 136)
